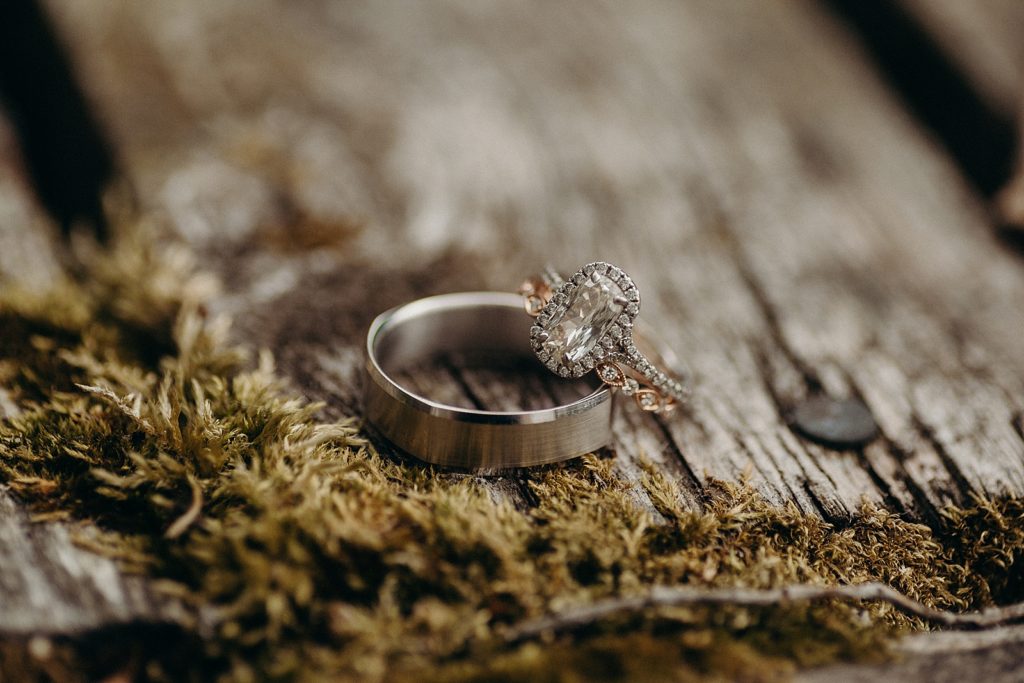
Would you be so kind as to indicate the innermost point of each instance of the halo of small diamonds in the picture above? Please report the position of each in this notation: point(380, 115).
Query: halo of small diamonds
point(586, 323)
point(603, 301)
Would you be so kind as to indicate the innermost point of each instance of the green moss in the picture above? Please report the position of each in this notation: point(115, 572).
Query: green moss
point(302, 553)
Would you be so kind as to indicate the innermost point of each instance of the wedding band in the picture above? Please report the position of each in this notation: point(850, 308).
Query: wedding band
point(478, 440)
point(587, 323)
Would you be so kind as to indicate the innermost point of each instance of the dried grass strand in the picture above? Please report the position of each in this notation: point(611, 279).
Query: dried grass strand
point(181, 524)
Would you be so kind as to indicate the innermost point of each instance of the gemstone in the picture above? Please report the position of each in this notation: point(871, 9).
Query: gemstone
point(630, 386)
point(590, 310)
point(609, 373)
point(534, 304)
point(647, 399)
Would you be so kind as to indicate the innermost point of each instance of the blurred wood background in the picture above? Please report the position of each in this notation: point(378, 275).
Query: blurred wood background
point(800, 220)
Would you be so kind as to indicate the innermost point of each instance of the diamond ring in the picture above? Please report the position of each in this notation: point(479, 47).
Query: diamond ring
point(586, 323)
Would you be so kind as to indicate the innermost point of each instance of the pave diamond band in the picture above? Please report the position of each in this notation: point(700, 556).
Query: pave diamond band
point(586, 323)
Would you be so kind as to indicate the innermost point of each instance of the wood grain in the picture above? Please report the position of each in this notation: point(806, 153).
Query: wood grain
point(27, 255)
point(992, 656)
point(792, 228)
point(983, 39)
point(52, 586)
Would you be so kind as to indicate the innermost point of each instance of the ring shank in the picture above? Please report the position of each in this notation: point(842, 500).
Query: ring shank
point(478, 440)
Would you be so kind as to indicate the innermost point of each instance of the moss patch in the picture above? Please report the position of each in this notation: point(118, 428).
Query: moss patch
point(302, 553)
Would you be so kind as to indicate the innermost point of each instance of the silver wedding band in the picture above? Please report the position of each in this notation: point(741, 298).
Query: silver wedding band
point(477, 440)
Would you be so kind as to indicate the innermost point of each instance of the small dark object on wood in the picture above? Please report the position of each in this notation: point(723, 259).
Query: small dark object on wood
point(846, 423)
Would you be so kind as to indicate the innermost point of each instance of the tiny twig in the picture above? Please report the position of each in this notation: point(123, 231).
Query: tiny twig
point(665, 596)
point(185, 521)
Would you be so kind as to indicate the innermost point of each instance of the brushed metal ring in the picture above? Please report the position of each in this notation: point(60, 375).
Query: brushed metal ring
point(476, 440)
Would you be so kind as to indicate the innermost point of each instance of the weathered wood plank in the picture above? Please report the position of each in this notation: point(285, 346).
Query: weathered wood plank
point(792, 229)
point(27, 256)
point(992, 656)
point(738, 186)
point(982, 37)
point(48, 583)
point(984, 40)
point(51, 585)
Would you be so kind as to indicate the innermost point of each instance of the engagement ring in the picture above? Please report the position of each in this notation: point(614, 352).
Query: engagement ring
point(586, 324)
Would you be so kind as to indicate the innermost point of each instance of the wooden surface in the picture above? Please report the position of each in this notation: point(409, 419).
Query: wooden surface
point(791, 229)
point(48, 582)
point(791, 226)
point(990, 656)
point(983, 39)
point(26, 233)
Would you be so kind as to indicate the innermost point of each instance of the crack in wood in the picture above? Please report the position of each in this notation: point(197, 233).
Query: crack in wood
point(924, 506)
point(963, 484)
point(889, 498)
point(822, 508)
point(457, 376)
point(689, 480)
point(1017, 424)
point(768, 312)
